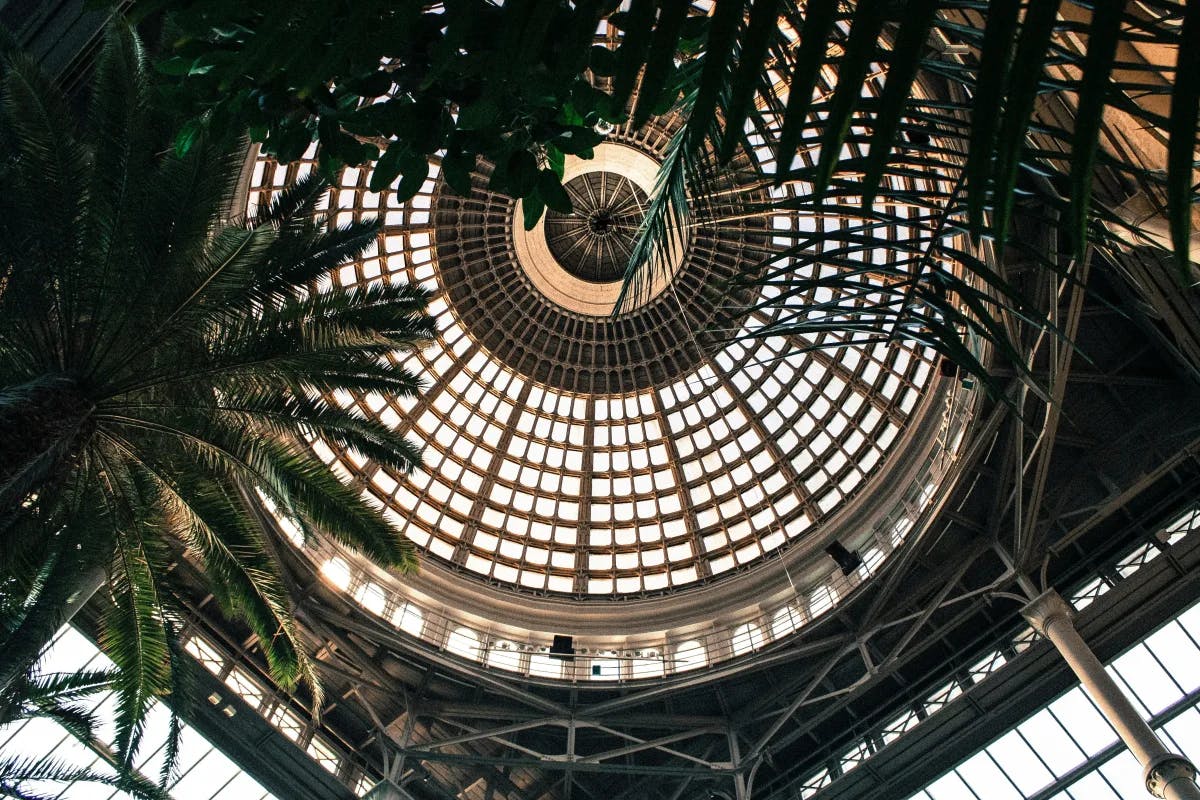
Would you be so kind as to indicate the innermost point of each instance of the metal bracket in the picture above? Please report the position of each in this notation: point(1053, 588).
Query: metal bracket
point(1164, 771)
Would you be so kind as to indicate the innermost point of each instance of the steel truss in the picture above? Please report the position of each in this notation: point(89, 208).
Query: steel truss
point(1060, 477)
point(754, 726)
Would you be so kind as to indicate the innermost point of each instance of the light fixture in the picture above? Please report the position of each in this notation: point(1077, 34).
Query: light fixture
point(563, 648)
point(848, 560)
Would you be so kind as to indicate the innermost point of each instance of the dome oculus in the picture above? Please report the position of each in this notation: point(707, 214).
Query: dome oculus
point(594, 241)
point(570, 451)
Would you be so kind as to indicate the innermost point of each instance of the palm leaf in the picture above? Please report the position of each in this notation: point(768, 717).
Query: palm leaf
point(209, 351)
point(1184, 120)
point(1103, 36)
point(639, 23)
point(663, 46)
point(861, 46)
point(18, 771)
point(714, 77)
point(905, 60)
point(819, 19)
point(667, 213)
point(742, 86)
point(1034, 37)
point(994, 66)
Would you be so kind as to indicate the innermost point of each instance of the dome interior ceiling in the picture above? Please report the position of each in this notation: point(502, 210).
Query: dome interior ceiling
point(575, 453)
point(608, 456)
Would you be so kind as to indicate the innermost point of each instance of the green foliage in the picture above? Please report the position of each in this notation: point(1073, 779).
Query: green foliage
point(157, 362)
point(469, 78)
point(863, 154)
point(59, 697)
point(482, 80)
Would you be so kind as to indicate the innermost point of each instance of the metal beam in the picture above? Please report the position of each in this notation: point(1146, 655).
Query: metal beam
point(579, 766)
point(652, 744)
point(794, 706)
point(491, 733)
point(701, 677)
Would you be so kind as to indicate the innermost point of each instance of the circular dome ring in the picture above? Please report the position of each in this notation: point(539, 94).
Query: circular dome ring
point(595, 241)
point(543, 266)
point(627, 477)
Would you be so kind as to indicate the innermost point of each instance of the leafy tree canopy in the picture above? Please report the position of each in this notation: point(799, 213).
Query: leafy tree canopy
point(467, 77)
point(966, 88)
point(160, 360)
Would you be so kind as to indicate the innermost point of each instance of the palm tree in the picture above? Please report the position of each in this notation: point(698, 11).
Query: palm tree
point(792, 74)
point(948, 165)
point(57, 697)
point(159, 361)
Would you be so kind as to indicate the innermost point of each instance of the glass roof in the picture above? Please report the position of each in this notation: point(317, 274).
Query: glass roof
point(600, 493)
point(202, 773)
point(598, 455)
point(569, 450)
point(589, 471)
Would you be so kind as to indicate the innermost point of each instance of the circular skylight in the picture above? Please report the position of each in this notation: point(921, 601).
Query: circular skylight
point(570, 451)
point(594, 241)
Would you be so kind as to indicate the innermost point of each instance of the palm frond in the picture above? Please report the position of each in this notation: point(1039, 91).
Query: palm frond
point(1037, 27)
point(905, 59)
point(761, 27)
point(860, 51)
point(182, 692)
point(1103, 36)
point(134, 632)
point(819, 19)
point(666, 217)
point(994, 64)
point(18, 772)
point(67, 568)
point(1182, 127)
point(664, 44)
point(205, 354)
point(985, 130)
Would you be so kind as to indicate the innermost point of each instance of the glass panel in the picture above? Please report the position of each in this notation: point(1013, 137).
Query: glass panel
point(1051, 743)
point(986, 779)
point(1020, 763)
point(1185, 730)
point(1150, 684)
point(464, 642)
point(1125, 775)
point(950, 787)
point(1083, 721)
point(690, 655)
point(1093, 787)
point(1178, 653)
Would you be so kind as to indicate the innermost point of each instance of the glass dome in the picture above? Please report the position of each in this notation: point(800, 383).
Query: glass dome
point(600, 455)
point(572, 452)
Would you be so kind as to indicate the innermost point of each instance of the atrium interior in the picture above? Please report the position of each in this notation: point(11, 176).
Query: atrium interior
point(667, 552)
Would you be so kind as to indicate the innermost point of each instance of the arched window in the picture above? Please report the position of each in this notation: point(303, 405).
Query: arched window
point(464, 642)
point(545, 666)
point(690, 655)
point(648, 665)
point(746, 638)
point(787, 620)
point(337, 572)
point(605, 669)
point(823, 599)
point(409, 619)
point(871, 559)
point(371, 597)
point(504, 654)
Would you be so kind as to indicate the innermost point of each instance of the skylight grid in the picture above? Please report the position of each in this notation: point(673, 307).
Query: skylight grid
point(611, 455)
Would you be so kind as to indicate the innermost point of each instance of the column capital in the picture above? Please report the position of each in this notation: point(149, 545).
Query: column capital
point(1045, 609)
point(1164, 771)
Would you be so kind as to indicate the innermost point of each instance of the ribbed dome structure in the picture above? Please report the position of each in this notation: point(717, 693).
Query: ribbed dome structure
point(572, 452)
